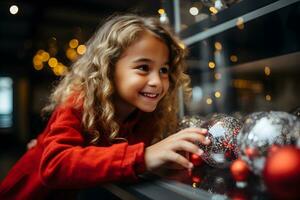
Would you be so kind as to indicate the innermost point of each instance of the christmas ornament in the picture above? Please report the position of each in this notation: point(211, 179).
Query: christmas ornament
point(239, 170)
point(222, 132)
point(196, 179)
point(263, 132)
point(196, 160)
point(282, 173)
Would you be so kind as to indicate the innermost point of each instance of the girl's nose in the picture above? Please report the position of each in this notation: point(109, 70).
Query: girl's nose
point(154, 80)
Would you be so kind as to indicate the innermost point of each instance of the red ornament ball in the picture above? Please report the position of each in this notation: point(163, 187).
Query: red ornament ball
point(239, 170)
point(282, 173)
point(196, 159)
point(196, 179)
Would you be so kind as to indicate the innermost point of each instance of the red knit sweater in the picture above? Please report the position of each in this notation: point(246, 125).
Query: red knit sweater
point(62, 162)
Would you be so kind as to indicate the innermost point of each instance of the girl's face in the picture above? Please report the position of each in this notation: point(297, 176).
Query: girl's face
point(142, 75)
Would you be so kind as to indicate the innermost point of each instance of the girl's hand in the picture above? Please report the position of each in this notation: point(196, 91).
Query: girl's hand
point(168, 150)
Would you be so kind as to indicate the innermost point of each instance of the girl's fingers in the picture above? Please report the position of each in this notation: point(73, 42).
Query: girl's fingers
point(193, 137)
point(188, 147)
point(179, 159)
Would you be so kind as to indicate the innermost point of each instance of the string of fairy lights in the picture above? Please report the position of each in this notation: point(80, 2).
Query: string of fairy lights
point(44, 58)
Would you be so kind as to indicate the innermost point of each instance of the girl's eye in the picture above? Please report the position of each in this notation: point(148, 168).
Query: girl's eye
point(144, 68)
point(164, 70)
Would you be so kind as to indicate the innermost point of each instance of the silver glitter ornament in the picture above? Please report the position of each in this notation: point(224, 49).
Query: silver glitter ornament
point(222, 132)
point(264, 132)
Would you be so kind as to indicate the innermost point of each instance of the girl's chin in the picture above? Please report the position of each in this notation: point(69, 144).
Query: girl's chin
point(148, 110)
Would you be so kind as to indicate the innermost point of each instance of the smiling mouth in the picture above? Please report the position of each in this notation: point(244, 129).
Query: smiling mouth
point(149, 95)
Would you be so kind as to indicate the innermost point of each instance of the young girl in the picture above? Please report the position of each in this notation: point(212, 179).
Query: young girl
point(118, 97)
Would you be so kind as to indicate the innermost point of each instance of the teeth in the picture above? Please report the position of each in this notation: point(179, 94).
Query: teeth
point(151, 95)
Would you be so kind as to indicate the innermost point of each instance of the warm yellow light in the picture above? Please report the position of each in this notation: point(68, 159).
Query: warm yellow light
point(211, 64)
point(81, 49)
point(37, 60)
point(240, 23)
point(268, 97)
point(267, 71)
point(38, 66)
point(13, 9)
point(73, 43)
point(52, 62)
point(71, 54)
point(161, 11)
point(59, 70)
point(40, 52)
point(233, 58)
point(213, 10)
point(45, 56)
point(182, 45)
point(217, 94)
point(218, 76)
point(241, 26)
point(209, 101)
point(218, 46)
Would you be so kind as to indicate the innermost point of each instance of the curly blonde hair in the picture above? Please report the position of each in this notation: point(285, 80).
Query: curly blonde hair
point(91, 77)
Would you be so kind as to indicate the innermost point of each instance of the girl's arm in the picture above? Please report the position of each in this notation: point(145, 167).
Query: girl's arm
point(65, 163)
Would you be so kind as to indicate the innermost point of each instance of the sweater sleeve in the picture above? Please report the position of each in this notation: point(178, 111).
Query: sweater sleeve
point(66, 163)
